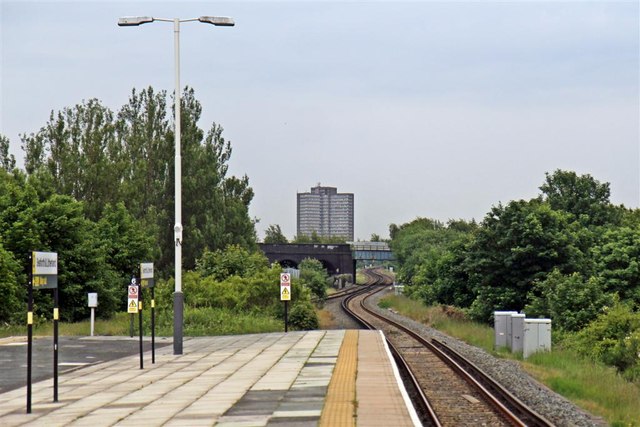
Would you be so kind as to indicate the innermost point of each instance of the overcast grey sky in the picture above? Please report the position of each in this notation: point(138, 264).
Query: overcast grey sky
point(435, 109)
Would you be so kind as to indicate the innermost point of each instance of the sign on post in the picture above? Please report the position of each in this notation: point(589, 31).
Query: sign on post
point(285, 287)
point(43, 275)
point(147, 281)
point(132, 304)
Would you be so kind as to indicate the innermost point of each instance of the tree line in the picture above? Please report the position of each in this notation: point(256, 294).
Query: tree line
point(98, 187)
point(568, 254)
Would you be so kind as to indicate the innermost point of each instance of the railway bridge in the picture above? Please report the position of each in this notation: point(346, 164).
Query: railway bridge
point(336, 258)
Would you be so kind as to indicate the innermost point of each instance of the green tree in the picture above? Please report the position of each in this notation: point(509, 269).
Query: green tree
point(234, 260)
point(76, 147)
point(314, 276)
point(273, 235)
point(7, 161)
point(582, 196)
point(516, 245)
point(13, 295)
point(569, 300)
point(617, 260)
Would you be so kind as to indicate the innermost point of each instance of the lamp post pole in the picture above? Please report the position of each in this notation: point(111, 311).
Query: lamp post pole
point(178, 296)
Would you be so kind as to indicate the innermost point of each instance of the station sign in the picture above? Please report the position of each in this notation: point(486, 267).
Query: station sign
point(132, 300)
point(285, 287)
point(146, 275)
point(44, 269)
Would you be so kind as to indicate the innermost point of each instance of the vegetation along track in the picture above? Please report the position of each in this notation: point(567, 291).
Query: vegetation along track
point(450, 391)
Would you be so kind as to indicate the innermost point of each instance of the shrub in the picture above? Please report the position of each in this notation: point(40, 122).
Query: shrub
point(614, 339)
point(303, 317)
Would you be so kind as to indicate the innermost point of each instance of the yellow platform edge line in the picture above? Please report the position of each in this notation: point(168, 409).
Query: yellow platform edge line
point(340, 405)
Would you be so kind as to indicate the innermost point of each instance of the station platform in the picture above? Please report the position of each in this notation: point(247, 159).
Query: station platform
point(325, 378)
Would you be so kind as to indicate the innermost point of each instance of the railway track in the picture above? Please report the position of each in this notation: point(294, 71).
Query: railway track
point(449, 390)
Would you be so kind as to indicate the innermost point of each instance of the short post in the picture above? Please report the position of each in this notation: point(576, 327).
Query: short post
point(92, 303)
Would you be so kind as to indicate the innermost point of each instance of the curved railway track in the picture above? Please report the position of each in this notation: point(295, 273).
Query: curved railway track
point(449, 390)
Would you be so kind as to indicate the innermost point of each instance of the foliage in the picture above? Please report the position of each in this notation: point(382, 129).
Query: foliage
point(314, 276)
point(569, 300)
point(273, 235)
point(7, 161)
point(232, 261)
point(12, 293)
point(83, 151)
point(614, 339)
point(582, 196)
point(516, 245)
point(303, 317)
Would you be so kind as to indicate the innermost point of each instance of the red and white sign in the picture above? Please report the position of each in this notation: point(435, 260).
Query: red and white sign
point(285, 287)
point(133, 291)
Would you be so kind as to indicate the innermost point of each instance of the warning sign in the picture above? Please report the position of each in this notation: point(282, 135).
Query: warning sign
point(133, 306)
point(285, 287)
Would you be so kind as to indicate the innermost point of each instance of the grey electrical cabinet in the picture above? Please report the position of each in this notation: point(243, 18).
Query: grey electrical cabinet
point(500, 320)
point(537, 336)
point(517, 332)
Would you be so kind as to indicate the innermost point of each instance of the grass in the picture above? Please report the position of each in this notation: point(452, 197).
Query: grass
point(596, 388)
point(197, 322)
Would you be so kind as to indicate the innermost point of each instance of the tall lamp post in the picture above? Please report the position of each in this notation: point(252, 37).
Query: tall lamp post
point(178, 297)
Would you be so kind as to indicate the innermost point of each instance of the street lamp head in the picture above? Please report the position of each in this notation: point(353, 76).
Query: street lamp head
point(130, 21)
point(221, 21)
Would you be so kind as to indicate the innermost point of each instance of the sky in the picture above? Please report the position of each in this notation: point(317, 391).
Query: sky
point(421, 109)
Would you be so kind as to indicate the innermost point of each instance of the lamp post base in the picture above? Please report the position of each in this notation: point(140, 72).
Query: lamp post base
point(178, 308)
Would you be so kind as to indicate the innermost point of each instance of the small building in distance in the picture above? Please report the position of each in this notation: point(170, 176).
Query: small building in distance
point(325, 211)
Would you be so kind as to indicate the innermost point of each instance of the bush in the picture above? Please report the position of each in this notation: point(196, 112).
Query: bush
point(614, 339)
point(303, 317)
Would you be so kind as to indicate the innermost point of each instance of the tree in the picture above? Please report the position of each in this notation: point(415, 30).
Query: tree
point(97, 158)
point(273, 235)
point(13, 295)
point(77, 147)
point(583, 196)
point(570, 300)
point(314, 276)
point(7, 161)
point(516, 245)
point(234, 260)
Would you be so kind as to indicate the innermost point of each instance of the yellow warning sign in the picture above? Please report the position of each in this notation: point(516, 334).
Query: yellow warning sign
point(285, 294)
point(133, 306)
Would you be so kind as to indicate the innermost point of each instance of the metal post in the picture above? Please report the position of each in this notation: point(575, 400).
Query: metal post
point(140, 324)
point(29, 333)
point(153, 325)
point(56, 316)
point(286, 319)
point(178, 298)
point(93, 318)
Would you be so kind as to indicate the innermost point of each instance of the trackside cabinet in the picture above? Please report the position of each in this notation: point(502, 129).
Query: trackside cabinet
point(517, 332)
point(500, 319)
point(537, 336)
